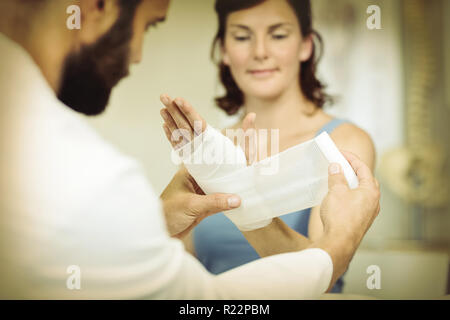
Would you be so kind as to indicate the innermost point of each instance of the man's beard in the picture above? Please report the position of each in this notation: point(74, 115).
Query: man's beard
point(89, 75)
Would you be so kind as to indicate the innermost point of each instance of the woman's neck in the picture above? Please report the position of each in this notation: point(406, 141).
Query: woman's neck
point(287, 112)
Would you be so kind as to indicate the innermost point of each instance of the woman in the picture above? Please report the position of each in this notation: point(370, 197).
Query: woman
point(268, 65)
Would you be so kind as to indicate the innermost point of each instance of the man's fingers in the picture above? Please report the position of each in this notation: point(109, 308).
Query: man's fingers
point(336, 178)
point(214, 203)
point(195, 120)
point(363, 172)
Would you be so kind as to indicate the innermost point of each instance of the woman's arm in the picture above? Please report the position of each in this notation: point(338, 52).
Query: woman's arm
point(188, 242)
point(279, 237)
point(350, 138)
point(276, 238)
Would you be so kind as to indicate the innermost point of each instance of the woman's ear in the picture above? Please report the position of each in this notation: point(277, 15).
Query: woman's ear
point(97, 17)
point(306, 49)
point(225, 57)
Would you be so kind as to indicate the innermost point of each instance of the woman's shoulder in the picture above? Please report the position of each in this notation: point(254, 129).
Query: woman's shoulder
point(350, 137)
point(348, 131)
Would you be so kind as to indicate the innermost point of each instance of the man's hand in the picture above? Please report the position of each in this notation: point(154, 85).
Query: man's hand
point(347, 214)
point(185, 204)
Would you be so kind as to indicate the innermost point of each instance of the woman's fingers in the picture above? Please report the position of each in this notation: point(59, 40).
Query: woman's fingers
point(180, 120)
point(194, 119)
point(248, 143)
point(169, 135)
point(174, 136)
point(168, 120)
point(249, 121)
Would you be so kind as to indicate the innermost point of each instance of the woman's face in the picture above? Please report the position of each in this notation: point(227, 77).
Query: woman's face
point(264, 49)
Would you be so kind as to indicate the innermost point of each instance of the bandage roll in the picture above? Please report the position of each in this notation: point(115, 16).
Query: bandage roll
point(290, 181)
point(333, 155)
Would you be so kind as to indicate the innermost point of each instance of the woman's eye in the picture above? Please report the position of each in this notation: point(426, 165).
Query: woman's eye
point(279, 36)
point(242, 38)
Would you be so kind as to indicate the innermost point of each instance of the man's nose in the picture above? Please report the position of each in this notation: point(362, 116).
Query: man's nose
point(260, 49)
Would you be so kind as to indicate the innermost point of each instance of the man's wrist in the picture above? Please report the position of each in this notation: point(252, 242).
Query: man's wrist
point(342, 236)
point(341, 248)
point(336, 245)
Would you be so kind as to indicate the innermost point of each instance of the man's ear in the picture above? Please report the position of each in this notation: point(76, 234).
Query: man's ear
point(306, 49)
point(97, 17)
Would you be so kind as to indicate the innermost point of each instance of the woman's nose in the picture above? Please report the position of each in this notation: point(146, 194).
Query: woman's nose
point(260, 50)
point(136, 55)
point(136, 48)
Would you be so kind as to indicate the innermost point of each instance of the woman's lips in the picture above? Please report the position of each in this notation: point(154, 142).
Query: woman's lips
point(262, 73)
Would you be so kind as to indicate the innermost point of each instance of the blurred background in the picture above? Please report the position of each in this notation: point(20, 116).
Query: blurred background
point(394, 82)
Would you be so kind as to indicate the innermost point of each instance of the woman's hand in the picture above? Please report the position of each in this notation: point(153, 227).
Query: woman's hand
point(250, 147)
point(181, 121)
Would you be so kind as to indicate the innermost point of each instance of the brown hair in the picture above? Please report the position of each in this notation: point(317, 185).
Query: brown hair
point(311, 87)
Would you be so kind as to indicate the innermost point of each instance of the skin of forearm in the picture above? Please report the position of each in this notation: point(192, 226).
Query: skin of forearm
point(189, 243)
point(341, 250)
point(276, 238)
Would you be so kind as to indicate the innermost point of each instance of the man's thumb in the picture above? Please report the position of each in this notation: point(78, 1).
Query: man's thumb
point(214, 203)
point(336, 178)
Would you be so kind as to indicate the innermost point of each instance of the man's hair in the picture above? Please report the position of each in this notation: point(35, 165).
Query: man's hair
point(129, 3)
point(31, 2)
point(90, 75)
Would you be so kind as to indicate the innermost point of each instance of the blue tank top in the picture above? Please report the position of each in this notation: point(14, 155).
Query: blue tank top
point(220, 246)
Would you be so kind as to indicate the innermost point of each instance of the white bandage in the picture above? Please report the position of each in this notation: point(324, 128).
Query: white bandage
point(290, 181)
